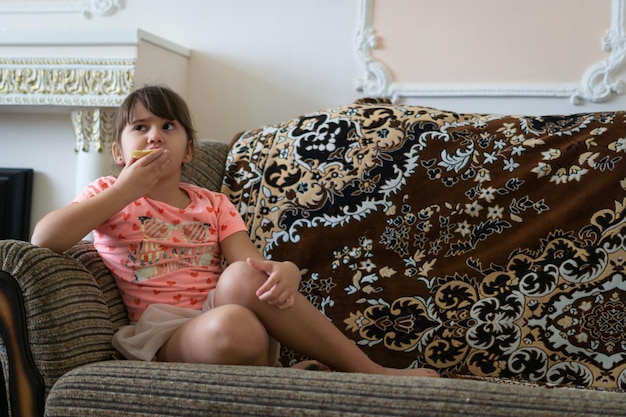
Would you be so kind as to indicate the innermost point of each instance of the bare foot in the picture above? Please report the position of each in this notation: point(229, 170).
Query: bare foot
point(423, 372)
point(311, 365)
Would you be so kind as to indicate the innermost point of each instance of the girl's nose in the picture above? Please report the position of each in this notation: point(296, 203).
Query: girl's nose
point(155, 136)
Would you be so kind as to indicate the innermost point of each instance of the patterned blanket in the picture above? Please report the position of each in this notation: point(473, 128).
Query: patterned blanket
point(477, 244)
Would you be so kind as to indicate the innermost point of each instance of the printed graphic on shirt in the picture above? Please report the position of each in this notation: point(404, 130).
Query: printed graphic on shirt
point(157, 229)
point(154, 257)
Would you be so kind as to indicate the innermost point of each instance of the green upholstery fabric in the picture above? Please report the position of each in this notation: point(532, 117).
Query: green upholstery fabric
point(207, 167)
point(67, 319)
point(160, 389)
point(85, 253)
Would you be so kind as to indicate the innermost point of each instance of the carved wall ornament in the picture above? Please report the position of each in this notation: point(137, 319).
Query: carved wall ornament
point(600, 80)
point(84, 82)
point(87, 74)
point(377, 76)
point(93, 128)
point(88, 8)
point(598, 84)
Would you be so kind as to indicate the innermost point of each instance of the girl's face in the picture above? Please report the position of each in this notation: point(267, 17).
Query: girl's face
point(148, 131)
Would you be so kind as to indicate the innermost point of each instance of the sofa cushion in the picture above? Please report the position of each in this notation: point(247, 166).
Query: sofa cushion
point(207, 167)
point(477, 244)
point(133, 388)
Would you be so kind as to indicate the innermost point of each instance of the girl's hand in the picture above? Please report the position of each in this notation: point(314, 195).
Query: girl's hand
point(282, 282)
point(139, 176)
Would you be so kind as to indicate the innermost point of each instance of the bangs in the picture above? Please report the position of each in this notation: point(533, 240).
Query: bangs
point(160, 101)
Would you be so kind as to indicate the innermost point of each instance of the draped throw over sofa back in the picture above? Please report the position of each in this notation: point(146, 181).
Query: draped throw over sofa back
point(489, 247)
point(476, 244)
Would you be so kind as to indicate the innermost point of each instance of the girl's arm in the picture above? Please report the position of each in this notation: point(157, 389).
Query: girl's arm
point(64, 227)
point(283, 278)
point(239, 247)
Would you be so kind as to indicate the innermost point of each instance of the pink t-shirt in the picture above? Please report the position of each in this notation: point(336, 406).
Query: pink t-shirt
point(163, 254)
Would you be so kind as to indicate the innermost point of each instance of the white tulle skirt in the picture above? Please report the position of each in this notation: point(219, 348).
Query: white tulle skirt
point(143, 339)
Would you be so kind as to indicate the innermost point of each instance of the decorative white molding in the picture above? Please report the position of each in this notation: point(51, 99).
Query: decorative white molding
point(70, 82)
point(598, 84)
point(599, 81)
point(377, 76)
point(88, 8)
point(88, 74)
point(74, 78)
point(93, 128)
point(88, 39)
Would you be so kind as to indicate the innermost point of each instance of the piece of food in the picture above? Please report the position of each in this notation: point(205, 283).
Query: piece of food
point(139, 153)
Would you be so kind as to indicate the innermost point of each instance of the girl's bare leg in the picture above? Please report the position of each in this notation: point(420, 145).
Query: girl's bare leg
point(301, 327)
point(230, 334)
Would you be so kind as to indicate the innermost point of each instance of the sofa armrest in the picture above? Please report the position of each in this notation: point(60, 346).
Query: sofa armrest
point(87, 255)
point(65, 317)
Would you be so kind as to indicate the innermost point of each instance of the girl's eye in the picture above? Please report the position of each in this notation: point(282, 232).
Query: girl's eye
point(168, 126)
point(139, 127)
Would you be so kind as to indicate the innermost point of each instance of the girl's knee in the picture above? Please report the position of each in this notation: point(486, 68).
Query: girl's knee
point(240, 269)
point(238, 284)
point(238, 335)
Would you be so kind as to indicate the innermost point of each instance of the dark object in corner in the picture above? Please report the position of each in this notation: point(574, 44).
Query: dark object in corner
point(16, 185)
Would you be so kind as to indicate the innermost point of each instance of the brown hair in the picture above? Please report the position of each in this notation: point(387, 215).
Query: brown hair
point(160, 101)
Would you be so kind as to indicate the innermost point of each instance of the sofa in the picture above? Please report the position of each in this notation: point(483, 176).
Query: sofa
point(489, 247)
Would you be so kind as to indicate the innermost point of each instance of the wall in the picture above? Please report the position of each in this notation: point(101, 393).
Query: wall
point(530, 56)
point(253, 63)
point(509, 41)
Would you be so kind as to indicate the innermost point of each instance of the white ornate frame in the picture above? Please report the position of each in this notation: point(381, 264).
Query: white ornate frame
point(87, 7)
point(598, 83)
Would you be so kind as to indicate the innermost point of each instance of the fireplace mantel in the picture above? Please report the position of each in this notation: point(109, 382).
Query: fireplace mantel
point(86, 74)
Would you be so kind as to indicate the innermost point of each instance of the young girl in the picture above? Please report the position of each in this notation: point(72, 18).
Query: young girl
point(165, 241)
